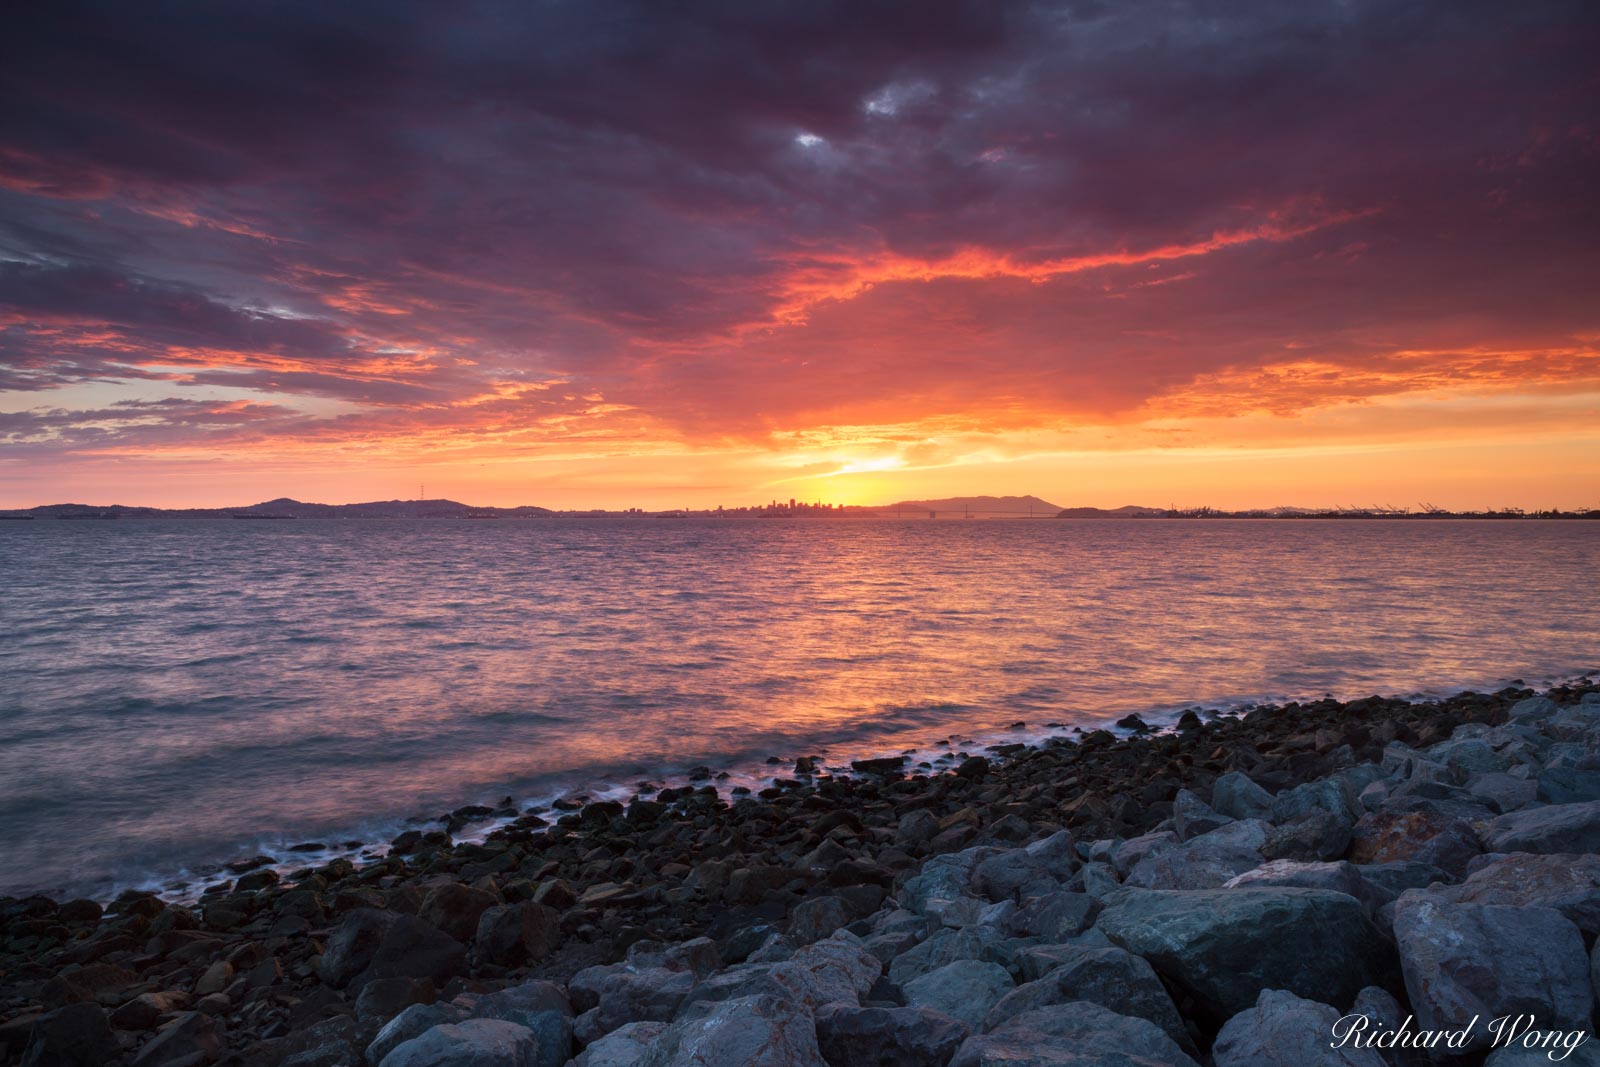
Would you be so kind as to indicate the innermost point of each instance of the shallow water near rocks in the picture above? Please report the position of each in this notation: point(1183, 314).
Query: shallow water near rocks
point(181, 693)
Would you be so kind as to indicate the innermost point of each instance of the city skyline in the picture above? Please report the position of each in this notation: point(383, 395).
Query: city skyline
point(615, 256)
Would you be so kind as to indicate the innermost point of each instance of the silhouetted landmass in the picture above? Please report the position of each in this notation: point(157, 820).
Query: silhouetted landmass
point(960, 507)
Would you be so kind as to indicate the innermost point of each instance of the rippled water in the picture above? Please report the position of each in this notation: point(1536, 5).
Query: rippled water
point(177, 693)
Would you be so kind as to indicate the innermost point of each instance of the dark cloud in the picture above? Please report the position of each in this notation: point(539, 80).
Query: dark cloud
point(404, 206)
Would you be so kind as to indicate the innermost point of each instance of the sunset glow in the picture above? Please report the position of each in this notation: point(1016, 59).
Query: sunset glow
point(1342, 255)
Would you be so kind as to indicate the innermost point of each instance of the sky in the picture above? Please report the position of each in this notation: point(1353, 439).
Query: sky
point(607, 254)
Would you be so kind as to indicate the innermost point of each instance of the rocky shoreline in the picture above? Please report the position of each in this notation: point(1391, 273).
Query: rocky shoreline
point(1220, 893)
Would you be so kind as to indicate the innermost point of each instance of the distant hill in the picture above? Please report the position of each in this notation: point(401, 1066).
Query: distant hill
point(286, 508)
point(1129, 511)
point(978, 506)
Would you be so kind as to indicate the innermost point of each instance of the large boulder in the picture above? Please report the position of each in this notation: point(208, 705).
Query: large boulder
point(413, 1022)
point(1236, 795)
point(945, 946)
point(456, 909)
point(964, 990)
point(473, 1043)
point(1425, 836)
point(835, 970)
point(1485, 960)
point(1557, 828)
point(888, 1037)
point(373, 944)
point(1283, 1030)
point(1204, 862)
point(510, 935)
point(540, 1006)
point(758, 1031)
point(1569, 883)
point(1109, 977)
point(613, 996)
point(1078, 1034)
point(76, 1035)
point(1225, 946)
point(622, 1047)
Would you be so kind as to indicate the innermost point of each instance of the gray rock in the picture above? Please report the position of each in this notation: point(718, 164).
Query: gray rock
point(964, 990)
point(373, 944)
point(1192, 816)
point(755, 1031)
point(1558, 828)
point(456, 908)
point(1011, 874)
point(1283, 1030)
point(1318, 837)
point(1568, 883)
point(76, 1035)
point(1504, 792)
point(888, 1037)
point(1396, 878)
point(1326, 795)
point(612, 996)
point(412, 1022)
point(1057, 853)
point(540, 1006)
point(1534, 710)
point(1109, 977)
point(944, 947)
point(1130, 853)
point(1056, 916)
point(1205, 862)
point(1237, 796)
point(623, 1047)
point(813, 920)
point(1568, 785)
point(510, 935)
point(1078, 1034)
point(837, 969)
point(1340, 877)
point(191, 1037)
point(1461, 960)
point(473, 1043)
point(1225, 946)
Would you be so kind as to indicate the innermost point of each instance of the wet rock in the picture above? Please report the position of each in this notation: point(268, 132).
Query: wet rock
point(1237, 796)
point(471, 1043)
point(1557, 828)
point(510, 935)
point(1283, 1030)
point(80, 911)
point(73, 1036)
point(885, 765)
point(1461, 960)
point(1078, 1034)
point(456, 909)
point(1225, 946)
point(1109, 977)
point(965, 990)
point(887, 1037)
point(759, 1031)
